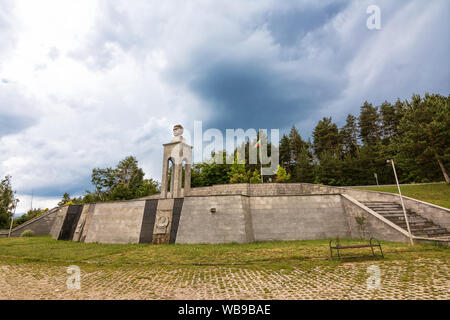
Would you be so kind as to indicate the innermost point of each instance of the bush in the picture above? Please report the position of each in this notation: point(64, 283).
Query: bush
point(27, 233)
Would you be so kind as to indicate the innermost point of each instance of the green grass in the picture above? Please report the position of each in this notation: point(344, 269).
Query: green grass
point(278, 255)
point(436, 193)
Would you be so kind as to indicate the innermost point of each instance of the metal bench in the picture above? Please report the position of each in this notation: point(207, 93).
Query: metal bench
point(334, 245)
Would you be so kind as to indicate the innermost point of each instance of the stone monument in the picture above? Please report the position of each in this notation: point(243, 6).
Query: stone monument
point(177, 155)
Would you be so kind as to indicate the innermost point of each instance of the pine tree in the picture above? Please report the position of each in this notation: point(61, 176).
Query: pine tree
point(390, 118)
point(304, 167)
point(369, 124)
point(285, 153)
point(326, 138)
point(425, 135)
point(349, 136)
point(296, 144)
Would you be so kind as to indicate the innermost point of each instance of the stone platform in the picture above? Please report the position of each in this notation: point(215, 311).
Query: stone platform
point(238, 213)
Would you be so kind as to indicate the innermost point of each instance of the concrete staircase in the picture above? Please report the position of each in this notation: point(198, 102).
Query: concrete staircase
point(420, 227)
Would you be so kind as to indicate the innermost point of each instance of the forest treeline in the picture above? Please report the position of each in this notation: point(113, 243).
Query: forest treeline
point(415, 133)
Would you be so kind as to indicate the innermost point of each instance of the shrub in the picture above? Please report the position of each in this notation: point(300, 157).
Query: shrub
point(27, 233)
point(281, 175)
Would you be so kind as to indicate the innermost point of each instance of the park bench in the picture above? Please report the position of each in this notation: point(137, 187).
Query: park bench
point(335, 245)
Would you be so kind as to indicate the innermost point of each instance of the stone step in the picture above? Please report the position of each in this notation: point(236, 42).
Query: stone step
point(433, 230)
point(419, 226)
point(402, 219)
point(378, 202)
point(382, 203)
point(397, 214)
point(432, 235)
point(391, 212)
point(386, 207)
point(416, 226)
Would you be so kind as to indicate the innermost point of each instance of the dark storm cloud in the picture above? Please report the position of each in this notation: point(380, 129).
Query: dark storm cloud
point(243, 94)
point(288, 25)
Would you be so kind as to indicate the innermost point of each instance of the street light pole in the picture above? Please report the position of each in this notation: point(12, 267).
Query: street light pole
point(401, 200)
point(12, 218)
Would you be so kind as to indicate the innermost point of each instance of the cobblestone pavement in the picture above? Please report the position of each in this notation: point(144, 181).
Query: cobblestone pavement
point(422, 279)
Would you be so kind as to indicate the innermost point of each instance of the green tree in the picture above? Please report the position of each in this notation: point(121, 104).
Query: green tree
point(304, 168)
point(369, 124)
point(125, 182)
point(281, 175)
point(425, 135)
point(210, 172)
point(329, 171)
point(285, 153)
point(256, 177)
point(237, 173)
point(65, 199)
point(391, 115)
point(296, 144)
point(326, 138)
point(349, 136)
point(7, 202)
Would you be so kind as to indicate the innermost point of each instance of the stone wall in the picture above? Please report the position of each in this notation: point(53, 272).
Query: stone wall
point(437, 214)
point(229, 222)
point(242, 219)
point(241, 213)
point(298, 217)
point(55, 230)
point(116, 222)
point(39, 225)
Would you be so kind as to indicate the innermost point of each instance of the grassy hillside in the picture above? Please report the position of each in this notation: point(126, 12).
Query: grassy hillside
point(436, 193)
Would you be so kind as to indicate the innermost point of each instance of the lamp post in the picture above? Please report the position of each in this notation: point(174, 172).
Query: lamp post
point(391, 161)
point(12, 218)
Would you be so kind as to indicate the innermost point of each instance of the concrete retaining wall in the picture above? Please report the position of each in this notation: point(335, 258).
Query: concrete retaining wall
point(40, 225)
point(298, 217)
point(243, 213)
point(243, 219)
point(58, 222)
point(116, 222)
point(437, 214)
point(227, 224)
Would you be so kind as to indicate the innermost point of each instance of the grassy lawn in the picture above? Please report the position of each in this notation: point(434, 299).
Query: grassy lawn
point(44, 249)
point(35, 268)
point(436, 193)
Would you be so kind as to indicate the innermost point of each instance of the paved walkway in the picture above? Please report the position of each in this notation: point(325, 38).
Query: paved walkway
point(424, 279)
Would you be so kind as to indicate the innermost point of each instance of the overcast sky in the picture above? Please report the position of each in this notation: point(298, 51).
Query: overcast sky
point(85, 83)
